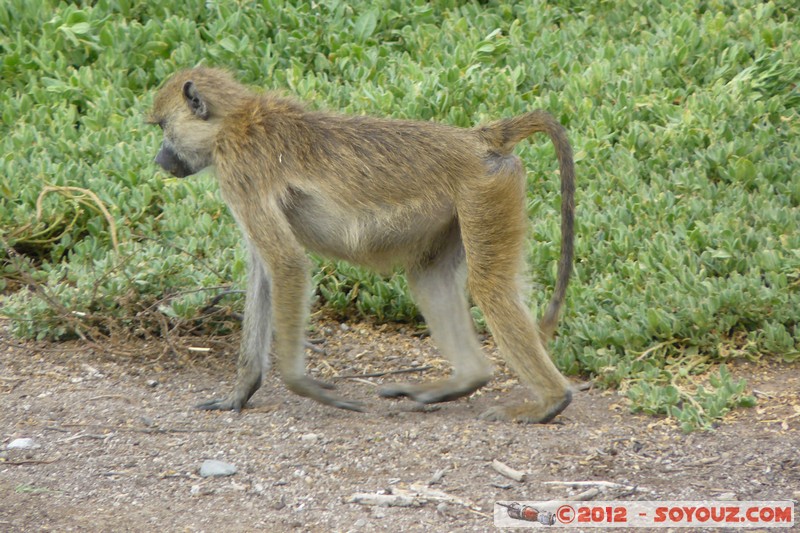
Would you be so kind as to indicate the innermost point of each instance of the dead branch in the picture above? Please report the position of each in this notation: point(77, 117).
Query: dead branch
point(87, 436)
point(29, 462)
point(78, 194)
point(109, 397)
point(384, 500)
point(387, 373)
point(505, 470)
point(586, 495)
point(416, 495)
point(437, 476)
point(600, 484)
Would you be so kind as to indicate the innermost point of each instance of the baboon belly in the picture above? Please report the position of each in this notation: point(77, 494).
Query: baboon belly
point(379, 238)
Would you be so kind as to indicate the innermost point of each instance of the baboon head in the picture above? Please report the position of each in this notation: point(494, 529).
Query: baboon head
point(188, 108)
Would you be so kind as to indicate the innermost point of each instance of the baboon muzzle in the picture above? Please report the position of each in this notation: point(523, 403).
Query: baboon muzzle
point(169, 161)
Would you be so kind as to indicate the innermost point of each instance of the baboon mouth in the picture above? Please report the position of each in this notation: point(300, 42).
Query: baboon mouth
point(180, 173)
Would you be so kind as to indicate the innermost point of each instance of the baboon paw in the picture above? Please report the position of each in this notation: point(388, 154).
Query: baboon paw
point(397, 390)
point(350, 405)
point(322, 396)
point(417, 392)
point(527, 413)
point(221, 404)
point(442, 391)
point(318, 390)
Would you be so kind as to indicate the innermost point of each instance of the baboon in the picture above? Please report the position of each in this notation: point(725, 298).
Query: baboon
point(447, 204)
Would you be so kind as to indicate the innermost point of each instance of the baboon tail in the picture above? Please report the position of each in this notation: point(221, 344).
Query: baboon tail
point(502, 136)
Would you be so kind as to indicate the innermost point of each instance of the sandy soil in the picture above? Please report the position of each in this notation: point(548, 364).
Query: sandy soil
point(118, 445)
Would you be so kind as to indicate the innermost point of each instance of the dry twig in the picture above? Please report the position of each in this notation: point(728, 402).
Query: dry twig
point(78, 194)
point(586, 495)
point(505, 470)
point(387, 373)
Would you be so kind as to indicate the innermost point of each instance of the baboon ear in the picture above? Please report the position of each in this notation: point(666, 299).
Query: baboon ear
point(194, 100)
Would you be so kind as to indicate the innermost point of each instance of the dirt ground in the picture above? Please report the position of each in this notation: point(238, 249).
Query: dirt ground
point(118, 446)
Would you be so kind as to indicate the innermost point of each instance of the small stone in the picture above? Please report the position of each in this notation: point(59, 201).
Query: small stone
point(195, 490)
point(727, 496)
point(344, 327)
point(212, 468)
point(22, 444)
point(310, 437)
point(361, 522)
point(152, 383)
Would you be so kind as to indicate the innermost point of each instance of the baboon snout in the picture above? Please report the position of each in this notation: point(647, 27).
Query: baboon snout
point(169, 161)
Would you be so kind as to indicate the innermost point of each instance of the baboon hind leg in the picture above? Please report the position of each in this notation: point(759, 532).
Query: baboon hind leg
point(439, 289)
point(494, 225)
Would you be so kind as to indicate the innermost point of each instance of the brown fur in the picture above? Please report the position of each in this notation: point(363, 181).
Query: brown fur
point(445, 203)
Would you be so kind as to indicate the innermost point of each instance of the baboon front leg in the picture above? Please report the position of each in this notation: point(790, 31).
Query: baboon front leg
point(439, 290)
point(256, 339)
point(290, 307)
point(493, 225)
point(286, 261)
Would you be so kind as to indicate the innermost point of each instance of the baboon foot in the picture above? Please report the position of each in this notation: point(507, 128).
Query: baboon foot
point(236, 400)
point(318, 390)
point(233, 402)
point(437, 391)
point(528, 413)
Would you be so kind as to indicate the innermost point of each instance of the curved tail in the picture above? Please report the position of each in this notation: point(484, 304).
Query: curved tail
point(502, 136)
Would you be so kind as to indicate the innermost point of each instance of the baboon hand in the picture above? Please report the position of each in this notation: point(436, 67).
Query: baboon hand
point(318, 390)
point(230, 403)
point(247, 384)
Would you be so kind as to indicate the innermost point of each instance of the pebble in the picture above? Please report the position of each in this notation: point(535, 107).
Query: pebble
point(310, 437)
point(344, 327)
point(152, 383)
point(212, 467)
point(727, 496)
point(21, 444)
